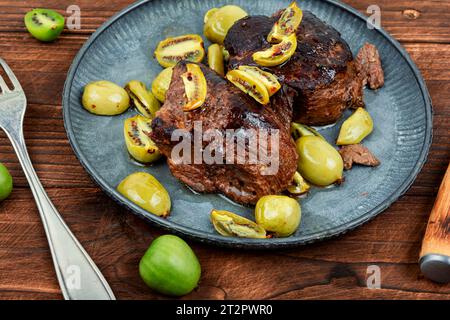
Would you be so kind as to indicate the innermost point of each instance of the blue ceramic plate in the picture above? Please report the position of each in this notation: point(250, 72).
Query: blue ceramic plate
point(121, 50)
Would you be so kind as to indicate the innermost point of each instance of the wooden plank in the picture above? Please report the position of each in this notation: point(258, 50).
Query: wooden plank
point(412, 21)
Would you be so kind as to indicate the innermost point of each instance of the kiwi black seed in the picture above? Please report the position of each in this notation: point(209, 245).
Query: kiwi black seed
point(44, 24)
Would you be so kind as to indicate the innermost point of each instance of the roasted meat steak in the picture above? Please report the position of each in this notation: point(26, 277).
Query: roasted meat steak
point(359, 154)
point(321, 78)
point(369, 67)
point(225, 108)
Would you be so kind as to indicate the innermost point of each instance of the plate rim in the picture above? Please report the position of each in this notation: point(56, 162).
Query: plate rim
point(244, 243)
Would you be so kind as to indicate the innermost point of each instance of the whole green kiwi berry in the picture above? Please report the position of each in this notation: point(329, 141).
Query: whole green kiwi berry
point(44, 24)
point(170, 266)
point(6, 182)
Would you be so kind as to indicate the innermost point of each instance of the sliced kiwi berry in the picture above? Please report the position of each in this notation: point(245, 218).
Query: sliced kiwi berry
point(137, 139)
point(269, 80)
point(278, 53)
point(187, 47)
point(249, 84)
point(195, 87)
point(288, 23)
point(44, 24)
point(298, 185)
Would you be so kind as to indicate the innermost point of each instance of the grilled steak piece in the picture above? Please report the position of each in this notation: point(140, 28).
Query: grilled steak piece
point(321, 75)
point(359, 154)
point(368, 63)
point(226, 107)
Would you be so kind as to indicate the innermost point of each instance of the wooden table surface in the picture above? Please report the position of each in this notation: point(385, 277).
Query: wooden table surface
point(116, 239)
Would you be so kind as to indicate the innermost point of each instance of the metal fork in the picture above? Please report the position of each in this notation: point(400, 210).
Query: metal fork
point(78, 276)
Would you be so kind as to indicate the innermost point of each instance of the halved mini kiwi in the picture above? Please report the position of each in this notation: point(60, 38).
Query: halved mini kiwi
point(278, 53)
point(195, 87)
point(288, 23)
point(249, 84)
point(141, 147)
point(269, 80)
point(44, 24)
point(187, 47)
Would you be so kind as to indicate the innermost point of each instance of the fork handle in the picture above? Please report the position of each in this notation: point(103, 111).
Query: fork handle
point(78, 276)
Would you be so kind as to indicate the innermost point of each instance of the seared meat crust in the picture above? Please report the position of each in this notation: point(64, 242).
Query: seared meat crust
point(321, 73)
point(226, 107)
point(359, 154)
point(369, 67)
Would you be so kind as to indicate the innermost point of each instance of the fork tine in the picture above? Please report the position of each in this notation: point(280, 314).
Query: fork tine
point(3, 85)
point(11, 75)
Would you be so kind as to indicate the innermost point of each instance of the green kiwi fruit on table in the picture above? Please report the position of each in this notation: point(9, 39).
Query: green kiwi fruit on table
point(44, 24)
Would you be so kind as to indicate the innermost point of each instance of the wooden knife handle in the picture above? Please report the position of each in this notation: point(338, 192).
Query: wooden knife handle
point(437, 235)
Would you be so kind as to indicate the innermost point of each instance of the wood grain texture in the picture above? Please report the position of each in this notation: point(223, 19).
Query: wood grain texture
point(437, 234)
point(116, 239)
